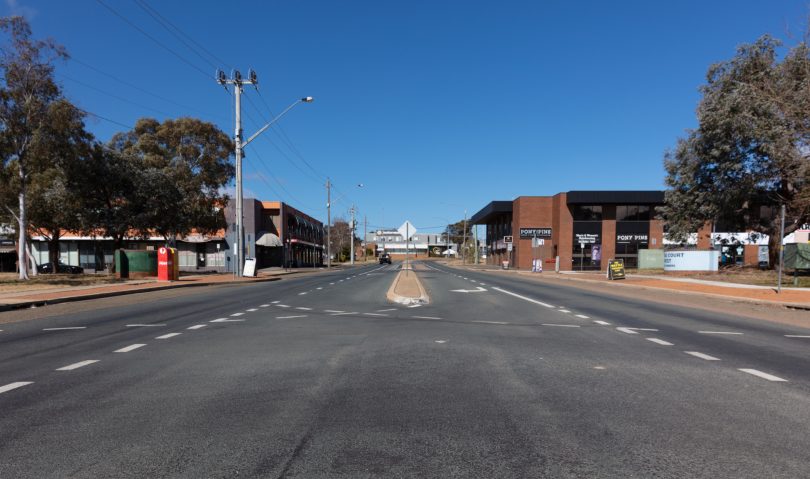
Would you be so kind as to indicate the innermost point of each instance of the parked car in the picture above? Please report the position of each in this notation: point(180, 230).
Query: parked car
point(60, 268)
point(385, 258)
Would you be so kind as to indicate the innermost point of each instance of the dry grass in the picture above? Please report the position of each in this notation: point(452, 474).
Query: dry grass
point(739, 275)
point(10, 283)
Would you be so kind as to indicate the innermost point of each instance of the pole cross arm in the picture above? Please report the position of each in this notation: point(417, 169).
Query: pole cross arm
point(307, 99)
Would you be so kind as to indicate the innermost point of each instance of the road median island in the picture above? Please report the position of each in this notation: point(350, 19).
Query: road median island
point(407, 289)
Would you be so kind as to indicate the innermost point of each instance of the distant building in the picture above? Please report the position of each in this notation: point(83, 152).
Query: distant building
point(407, 239)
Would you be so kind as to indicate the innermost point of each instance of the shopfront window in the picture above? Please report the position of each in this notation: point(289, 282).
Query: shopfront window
point(587, 213)
point(632, 213)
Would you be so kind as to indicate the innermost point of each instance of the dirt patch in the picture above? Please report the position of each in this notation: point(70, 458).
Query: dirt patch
point(738, 275)
point(9, 282)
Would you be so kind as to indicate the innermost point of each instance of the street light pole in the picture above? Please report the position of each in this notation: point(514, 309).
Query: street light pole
point(328, 224)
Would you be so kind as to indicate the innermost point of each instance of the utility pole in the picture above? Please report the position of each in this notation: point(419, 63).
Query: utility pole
point(781, 249)
point(328, 224)
point(475, 240)
point(365, 235)
point(464, 247)
point(351, 229)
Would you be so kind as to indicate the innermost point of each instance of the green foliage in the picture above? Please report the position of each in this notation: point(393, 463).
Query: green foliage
point(750, 151)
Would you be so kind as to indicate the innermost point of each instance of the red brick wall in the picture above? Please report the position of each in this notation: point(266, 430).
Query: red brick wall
point(563, 224)
point(528, 212)
point(656, 234)
point(608, 235)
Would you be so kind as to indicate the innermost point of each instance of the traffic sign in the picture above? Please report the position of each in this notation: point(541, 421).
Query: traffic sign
point(507, 239)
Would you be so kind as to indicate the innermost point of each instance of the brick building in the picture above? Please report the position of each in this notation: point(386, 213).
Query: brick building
point(584, 228)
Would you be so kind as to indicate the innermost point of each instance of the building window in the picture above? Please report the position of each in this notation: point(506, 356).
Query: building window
point(633, 213)
point(587, 213)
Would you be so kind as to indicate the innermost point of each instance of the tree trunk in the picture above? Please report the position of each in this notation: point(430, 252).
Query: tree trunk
point(53, 251)
point(22, 256)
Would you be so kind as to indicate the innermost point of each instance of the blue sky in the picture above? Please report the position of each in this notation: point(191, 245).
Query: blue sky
point(434, 106)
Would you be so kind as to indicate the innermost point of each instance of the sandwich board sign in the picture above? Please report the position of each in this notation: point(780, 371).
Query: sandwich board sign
point(615, 269)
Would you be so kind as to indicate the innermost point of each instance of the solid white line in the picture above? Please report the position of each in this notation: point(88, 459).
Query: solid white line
point(129, 348)
point(197, 326)
point(563, 325)
point(490, 322)
point(582, 316)
point(718, 332)
point(9, 387)
point(237, 314)
point(304, 309)
point(660, 341)
point(167, 336)
point(291, 317)
point(375, 314)
point(523, 297)
point(796, 336)
point(762, 375)
point(283, 306)
point(144, 325)
point(73, 366)
point(225, 320)
point(251, 310)
point(702, 356)
point(603, 323)
point(426, 317)
point(626, 330)
point(341, 314)
point(63, 329)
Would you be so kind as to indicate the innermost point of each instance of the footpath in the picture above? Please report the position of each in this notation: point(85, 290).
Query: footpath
point(796, 298)
point(39, 294)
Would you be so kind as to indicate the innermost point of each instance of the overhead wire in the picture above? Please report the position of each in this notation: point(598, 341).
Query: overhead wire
point(113, 95)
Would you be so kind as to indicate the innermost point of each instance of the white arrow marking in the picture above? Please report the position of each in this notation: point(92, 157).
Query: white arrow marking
point(476, 290)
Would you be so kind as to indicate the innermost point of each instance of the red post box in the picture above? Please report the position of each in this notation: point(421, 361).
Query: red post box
point(165, 264)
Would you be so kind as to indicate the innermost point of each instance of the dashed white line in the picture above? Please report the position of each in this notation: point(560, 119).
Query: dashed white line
point(375, 314)
point(63, 329)
point(719, 332)
point(145, 325)
point(343, 314)
point(167, 336)
point(796, 336)
point(225, 320)
point(660, 341)
point(440, 341)
point(274, 302)
point(9, 387)
point(562, 325)
point(197, 326)
point(490, 322)
point(415, 306)
point(482, 284)
point(291, 317)
point(251, 310)
point(384, 310)
point(303, 308)
point(582, 316)
point(603, 323)
point(523, 297)
point(78, 365)
point(626, 330)
point(319, 287)
point(333, 311)
point(283, 305)
point(301, 294)
point(426, 317)
point(702, 356)
point(129, 348)
point(563, 310)
point(762, 375)
point(237, 314)
point(263, 305)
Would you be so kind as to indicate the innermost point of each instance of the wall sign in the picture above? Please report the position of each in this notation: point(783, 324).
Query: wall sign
point(632, 238)
point(587, 238)
point(535, 232)
point(691, 260)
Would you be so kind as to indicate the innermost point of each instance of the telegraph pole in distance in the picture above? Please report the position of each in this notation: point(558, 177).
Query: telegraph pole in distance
point(328, 224)
point(352, 239)
point(365, 235)
point(237, 81)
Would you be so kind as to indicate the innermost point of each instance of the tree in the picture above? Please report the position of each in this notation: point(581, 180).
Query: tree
point(27, 89)
point(749, 154)
point(183, 166)
point(341, 237)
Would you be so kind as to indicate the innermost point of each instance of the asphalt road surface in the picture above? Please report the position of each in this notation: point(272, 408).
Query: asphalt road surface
point(319, 376)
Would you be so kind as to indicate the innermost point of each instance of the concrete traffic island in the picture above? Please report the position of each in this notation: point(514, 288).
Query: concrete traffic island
point(407, 289)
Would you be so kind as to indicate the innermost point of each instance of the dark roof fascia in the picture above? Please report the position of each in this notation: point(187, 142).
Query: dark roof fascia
point(494, 208)
point(650, 197)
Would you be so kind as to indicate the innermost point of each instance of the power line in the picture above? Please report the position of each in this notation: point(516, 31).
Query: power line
point(128, 127)
point(156, 41)
point(112, 95)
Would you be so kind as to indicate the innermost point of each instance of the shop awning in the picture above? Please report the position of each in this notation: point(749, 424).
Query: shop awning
point(268, 239)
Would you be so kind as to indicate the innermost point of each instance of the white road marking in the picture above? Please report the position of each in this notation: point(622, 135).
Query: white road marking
point(319, 287)
point(440, 341)
point(167, 336)
point(796, 336)
point(333, 311)
point(702, 356)
point(563, 325)
point(415, 306)
point(331, 283)
point(342, 314)
point(263, 305)
point(145, 325)
point(599, 367)
point(301, 294)
point(476, 290)
point(491, 322)
point(197, 326)
point(129, 348)
point(291, 317)
point(660, 341)
point(63, 329)
point(78, 365)
point(303, 308)
point(762, 375)
point(225, 320)
point(582, 316)
point(603, 323)
point(719, 332)
point(384, 310)
point(251, 310)
point(375, 314)
point(626, 330)
point(283, 305)
point(274, 302)
point(563, 310)
point(237, 314)
point(9, 387)
point(523, 297)
point(426, 317)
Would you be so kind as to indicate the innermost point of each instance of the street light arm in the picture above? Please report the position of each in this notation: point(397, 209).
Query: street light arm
point(278, 117)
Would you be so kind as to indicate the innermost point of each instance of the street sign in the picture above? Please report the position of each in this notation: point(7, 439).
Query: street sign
point(538, 242)
point(507, 239)
point(508, 246)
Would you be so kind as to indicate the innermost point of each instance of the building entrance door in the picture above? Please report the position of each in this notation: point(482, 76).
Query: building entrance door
point(200, 255)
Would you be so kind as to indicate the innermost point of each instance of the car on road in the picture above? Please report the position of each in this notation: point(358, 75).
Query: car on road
point(385, 258)
point(60, 268)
